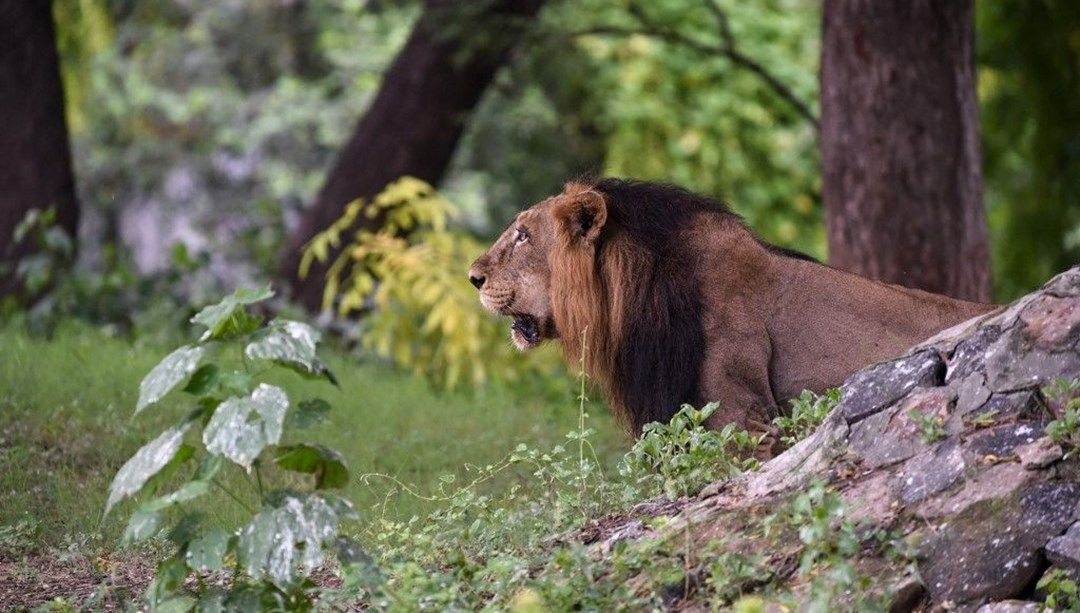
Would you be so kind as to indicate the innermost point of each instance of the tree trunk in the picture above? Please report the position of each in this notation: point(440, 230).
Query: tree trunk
point(901, 164)
point(413, 125)
point(35, 159)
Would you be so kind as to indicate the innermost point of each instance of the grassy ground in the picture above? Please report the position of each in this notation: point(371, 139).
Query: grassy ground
point(67, 424)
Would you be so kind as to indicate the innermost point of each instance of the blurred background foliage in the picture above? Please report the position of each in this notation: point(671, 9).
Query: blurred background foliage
point(211, 124)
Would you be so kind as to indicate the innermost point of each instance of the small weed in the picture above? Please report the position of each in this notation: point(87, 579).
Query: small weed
point(931, 426)
point(1061, 591)
point(682, 456)
point(807, 413)
point(1064, 397)
point(985, 419)
point(19, 538)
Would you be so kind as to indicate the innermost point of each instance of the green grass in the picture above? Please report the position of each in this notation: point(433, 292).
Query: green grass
point(67, 425)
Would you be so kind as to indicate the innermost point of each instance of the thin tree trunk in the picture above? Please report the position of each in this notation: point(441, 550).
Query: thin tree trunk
point(413, 125)
point(901, 162)
point(35, 159)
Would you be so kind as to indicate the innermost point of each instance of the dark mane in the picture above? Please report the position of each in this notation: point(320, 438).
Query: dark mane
point(656, 341)
point(653, 213)
point(662, 342)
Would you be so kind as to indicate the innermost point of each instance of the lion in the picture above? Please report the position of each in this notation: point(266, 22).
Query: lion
point(670, 298)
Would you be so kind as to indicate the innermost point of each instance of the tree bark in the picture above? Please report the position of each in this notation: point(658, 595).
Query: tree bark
point(35, 158)
point(901, 164)
point(413, 125)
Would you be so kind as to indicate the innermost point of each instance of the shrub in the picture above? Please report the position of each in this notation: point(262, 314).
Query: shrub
point(807, 413)
point(236, 419)
point(409, 278)
point(683, 456)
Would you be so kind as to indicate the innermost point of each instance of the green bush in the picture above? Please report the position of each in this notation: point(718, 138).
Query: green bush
point(238, 421)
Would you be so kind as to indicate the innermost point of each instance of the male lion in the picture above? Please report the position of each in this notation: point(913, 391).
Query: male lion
point(671, 298)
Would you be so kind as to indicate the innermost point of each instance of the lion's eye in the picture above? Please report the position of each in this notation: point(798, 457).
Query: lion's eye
point(522, 236)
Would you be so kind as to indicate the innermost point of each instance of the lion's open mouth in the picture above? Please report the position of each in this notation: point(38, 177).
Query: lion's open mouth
point(525, 331)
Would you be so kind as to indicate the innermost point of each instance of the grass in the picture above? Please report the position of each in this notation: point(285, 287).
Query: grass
point(67, 424)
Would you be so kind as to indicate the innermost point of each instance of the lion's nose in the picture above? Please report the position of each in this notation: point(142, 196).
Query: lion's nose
point(476, 279)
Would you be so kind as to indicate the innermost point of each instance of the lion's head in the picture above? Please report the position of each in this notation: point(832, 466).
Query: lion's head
point(514, 276)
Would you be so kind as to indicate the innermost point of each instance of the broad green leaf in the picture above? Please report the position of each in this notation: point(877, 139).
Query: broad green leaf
point(141, 526)
point(327, 465)
point(146, 462)
point(176, 604)
point(168, 579)
point(207, 552)
point(167, 374)
point(186, 528)
point(209, 467)
point(188, 491)
point(282, 542)
point(241, 427)
point(203, 380)
point(310, 412)
point(291, 344)
point(228, 317)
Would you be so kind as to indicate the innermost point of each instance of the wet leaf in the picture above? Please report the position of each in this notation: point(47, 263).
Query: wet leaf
point(327, 465)
point(228, 317)
point(141, 526)
point(291, 344)
point(207, 552)
point(203, 380)
point(146, 462)
point(310, 412)
point(167, 374)
point(282, 542)
point(241, 427)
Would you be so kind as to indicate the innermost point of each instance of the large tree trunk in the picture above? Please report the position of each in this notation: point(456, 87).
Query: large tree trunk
point(413, 125)
point(35, 161)
point(900, 144)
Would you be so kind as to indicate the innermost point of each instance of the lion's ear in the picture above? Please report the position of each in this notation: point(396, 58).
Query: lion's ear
point(581, 215)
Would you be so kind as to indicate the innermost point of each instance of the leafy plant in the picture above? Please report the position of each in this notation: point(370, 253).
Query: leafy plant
point(683, 456)
point(408, 278)
point(1064, 397)
point(931, 426)
point(1061, 591)
point(807, 413)
point(237, 420)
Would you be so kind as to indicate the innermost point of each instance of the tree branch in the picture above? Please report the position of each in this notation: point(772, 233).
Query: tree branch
point(727, 48)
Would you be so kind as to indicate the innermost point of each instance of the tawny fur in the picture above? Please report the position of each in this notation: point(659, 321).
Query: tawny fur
point(705, 312)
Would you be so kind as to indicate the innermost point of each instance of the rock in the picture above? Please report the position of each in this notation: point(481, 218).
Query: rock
point(1064, 550)
point(906, 594)
point(1011, 606)
point(968, 357)
point(972, 393)
point(993, 549)
point(997, 482)
point(1039, 454)
point(982, 509)
point(1002, 441)
point(885, 438)
point(874, 389)
point(1043, 346)
point(931, 472)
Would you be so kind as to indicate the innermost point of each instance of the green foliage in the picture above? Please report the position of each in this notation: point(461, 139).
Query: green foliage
point(242, 420)
point(830, 541)
point(409, 276)
point(1029, 70)
point(1060, 589)
point(54, 287)
point(931, 426)
point(807, 413)
point(682, 456)
point(1064, 396)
